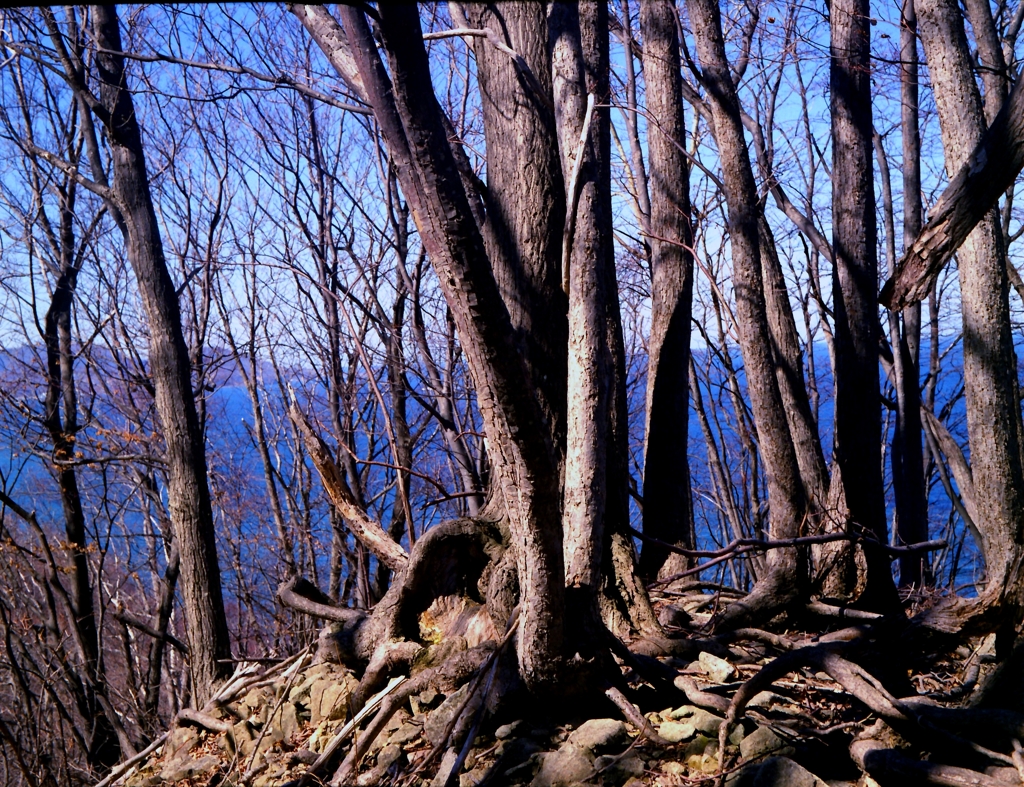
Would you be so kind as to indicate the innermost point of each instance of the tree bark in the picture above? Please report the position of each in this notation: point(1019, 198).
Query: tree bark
point(519, 438)
point(907, 454)
point(583, 137)
point(667, 513)
point(858, 418)
point(990, 363)
point(524, 199)
point(786, 576)
point(188, 490)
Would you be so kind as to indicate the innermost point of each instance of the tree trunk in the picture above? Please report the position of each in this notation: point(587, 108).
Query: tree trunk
point(788, 506)
point(995, 159)
point(583, 137)
point(667, 513)
point(990, 363)
point(908, 466)
point(525, 195)
point(188, 491)
point(858, 418)
point(519, 435)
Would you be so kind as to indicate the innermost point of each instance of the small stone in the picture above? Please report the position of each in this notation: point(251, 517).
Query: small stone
point(563, 767)
point(187, 768)
point(181, 741)
point(506, 731)
point(614, 770)
point(675, 731)
point(286, 721)
point(393, 724)
point(244, 737)
point(706, 722)
point(783, 772)
point(473, 777)
point(696, 746)
point(682, 712)
point(760, 743)
point(388, 756)
point(328, 699)
point(437, 721)
point(767, 699)
point(599, 735)
point(718, 669)
point(516, 751)
point(406, 733)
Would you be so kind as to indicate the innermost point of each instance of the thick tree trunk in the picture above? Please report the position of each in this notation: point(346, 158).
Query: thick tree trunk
point(990, 364)
point(858, 415)
point(667, 513)
point(519, 435)
point(787, 567)
point(525, 195)
point(188, 490)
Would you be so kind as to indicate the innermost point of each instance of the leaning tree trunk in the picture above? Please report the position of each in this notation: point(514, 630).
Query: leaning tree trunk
point(667, 513)
point(990, 363)
point(858, 417)
point(786, 576)
point(519, 435)
point(188, 490)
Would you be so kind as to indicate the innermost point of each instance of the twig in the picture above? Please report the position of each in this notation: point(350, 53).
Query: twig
point(634, 717)
point(345, 731)
point(121, 769)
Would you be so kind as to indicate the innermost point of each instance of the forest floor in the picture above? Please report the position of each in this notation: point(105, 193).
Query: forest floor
point(286, 724)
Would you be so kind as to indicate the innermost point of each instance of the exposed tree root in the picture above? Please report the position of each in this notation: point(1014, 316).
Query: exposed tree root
point(889, 766)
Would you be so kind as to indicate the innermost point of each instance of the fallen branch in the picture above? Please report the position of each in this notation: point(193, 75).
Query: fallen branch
point(332, 747)
point(635, 717)
point(741, 546)
point(121, 769)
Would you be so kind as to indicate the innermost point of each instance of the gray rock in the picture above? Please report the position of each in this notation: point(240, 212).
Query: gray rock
point(783, 772)
point(328, 699)
point(515, 752)
point(187, 768)
point(599, 735)
point(506, 731)
point(563, 767)
point(675, 731)
point(473, 777)
point(615, 771)
point(760, 743)
point(445, 768)
point(388, 756)
point(718, 669)
point(407, 732)
point(706, 722)
point(437, 720)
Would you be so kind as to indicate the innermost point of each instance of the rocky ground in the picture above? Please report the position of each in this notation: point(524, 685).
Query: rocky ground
point(288, 725)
